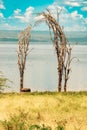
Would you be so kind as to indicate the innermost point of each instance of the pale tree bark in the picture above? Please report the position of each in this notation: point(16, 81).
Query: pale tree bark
point(60, 43)
point(67, 68)
point(23, 48)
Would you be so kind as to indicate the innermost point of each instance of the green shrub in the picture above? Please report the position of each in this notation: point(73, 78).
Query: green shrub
point(37, 127)
point(16, 122)
point(59, 127)
point(3, 82)
point(20, 122)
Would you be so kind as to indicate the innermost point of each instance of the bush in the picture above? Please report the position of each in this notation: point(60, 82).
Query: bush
point(3, 82)
point(37, 127)
point(20, 122)
point(59, 127)
point(15, 122)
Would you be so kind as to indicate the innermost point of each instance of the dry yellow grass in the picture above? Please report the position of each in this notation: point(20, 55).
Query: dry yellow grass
point(68, 110)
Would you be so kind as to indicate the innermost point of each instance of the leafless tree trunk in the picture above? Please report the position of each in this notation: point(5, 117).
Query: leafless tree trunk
point(59, 42)
point(23, 44)
point(67, 66)
point(63, 50)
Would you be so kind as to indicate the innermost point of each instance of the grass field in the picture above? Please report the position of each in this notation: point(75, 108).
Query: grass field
point(68, 110)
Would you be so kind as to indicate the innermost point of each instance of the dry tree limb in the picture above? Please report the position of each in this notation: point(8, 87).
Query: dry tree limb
point(23, 47)
point(67, 68)
point(60, 45)
point(60, 42)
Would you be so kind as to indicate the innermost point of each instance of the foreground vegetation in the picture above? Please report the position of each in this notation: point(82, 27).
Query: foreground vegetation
point(43, 111)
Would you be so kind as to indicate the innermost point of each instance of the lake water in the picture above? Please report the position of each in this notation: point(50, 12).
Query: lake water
point(41, 66)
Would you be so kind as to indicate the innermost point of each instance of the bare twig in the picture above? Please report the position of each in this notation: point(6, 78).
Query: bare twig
point(60, 42)
point(23, 44)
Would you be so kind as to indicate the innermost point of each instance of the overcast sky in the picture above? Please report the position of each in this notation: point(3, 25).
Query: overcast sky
point(17, 14)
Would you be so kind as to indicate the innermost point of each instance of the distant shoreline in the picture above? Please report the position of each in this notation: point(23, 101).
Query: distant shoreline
point(46, 92)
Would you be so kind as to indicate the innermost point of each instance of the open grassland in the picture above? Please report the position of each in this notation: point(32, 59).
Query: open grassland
point(67, 110)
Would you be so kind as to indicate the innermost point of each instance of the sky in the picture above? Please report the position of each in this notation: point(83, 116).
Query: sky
point(18, 14)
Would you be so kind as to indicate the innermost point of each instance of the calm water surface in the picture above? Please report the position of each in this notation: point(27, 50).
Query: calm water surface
point(41, 67)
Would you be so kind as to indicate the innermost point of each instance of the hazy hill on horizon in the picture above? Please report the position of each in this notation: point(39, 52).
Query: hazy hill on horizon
point(43, 36)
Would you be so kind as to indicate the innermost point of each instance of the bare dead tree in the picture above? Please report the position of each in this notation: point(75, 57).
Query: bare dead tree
point(23, 48)
point(59, 42)
point(67, 67)
point(63, 52)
